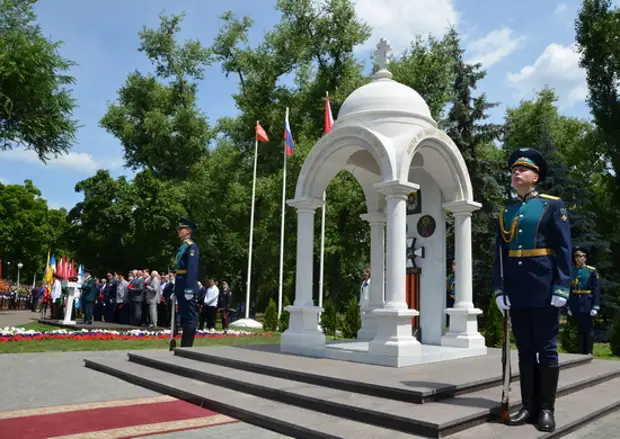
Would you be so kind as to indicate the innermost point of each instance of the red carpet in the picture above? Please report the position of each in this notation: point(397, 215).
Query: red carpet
point(108, 420)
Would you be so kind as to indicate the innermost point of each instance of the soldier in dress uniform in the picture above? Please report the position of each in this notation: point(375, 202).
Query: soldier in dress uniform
point(583, 303)
point(186, 280)
point(532, 279)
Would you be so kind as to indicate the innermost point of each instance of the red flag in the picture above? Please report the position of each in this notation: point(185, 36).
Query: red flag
point(329, 118)
point(261, 134)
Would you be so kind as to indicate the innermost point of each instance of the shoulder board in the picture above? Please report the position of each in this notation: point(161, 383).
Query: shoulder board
point(591, 267)
point(551, 197)
point(189, 242)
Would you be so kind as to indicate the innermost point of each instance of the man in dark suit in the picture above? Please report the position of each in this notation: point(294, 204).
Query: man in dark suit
point(89, 293)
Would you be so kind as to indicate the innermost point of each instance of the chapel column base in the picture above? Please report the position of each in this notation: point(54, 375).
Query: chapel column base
point(463, 329)
point(302, 333)
point(369, 328)
point(393, 338)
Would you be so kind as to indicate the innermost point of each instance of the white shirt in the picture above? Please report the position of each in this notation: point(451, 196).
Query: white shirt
point(213, 293)
point(365, 293)
point(56, 290)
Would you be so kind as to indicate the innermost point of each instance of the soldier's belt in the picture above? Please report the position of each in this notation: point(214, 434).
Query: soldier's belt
point(181, 272)
point(581, 291)
point(530, 253)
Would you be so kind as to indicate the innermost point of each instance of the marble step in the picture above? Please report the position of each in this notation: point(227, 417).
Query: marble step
point(418, 384)
point(429, 420)
point(279, 417)
point(572, 412)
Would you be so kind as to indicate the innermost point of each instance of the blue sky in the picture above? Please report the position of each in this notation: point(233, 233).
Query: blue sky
point(524, 46)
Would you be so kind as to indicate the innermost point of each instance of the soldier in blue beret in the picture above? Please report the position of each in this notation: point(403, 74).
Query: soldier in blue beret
point(583, 303)
point(186, 280)
point(532, 279)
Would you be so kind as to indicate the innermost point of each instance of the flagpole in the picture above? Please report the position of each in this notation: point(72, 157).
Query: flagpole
point(282, 229)
point(322, 263)
point(247, 291)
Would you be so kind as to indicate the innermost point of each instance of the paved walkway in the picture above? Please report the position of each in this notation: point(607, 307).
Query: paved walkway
point(16, 318)
point(55, 379)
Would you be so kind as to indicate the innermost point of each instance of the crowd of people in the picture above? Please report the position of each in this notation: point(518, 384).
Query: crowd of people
point(143, 298)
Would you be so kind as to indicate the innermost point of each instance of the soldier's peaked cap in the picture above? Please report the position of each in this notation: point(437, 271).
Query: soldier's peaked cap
point(529, 158)
point(186, 223)
point(577, 251)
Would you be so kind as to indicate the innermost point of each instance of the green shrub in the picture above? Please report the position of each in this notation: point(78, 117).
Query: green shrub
point(352, 320)
point(329, 318)
point(285, 315)
point(614, 339)
point(270, 321)
point(494, 326)
point(568, 337)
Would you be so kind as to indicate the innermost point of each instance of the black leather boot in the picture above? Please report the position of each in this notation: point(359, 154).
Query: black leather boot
point(527, 378)
point(548, 389)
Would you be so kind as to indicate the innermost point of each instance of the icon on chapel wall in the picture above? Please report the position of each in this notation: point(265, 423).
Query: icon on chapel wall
point(414, 202)
point(426, 226)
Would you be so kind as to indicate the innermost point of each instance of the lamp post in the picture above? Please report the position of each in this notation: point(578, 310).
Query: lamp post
point(19, 267)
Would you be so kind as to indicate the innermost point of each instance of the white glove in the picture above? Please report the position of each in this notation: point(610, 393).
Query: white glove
point(558, 301)
point(570, 313)
point(593, 312)
point(503, 302)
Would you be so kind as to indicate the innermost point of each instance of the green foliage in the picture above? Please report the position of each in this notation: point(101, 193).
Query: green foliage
point(614, 340)
point(494, 326)
point(568, 336)
point(352, 319)
point(36, 105)
point(28, 229)
point(329, 318)
point(156, 121)
point(284, 315)
point(270, 322)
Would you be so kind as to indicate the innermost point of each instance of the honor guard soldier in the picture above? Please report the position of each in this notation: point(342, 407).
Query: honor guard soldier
point(186, 280)
point(583, 303)
point(532, 279)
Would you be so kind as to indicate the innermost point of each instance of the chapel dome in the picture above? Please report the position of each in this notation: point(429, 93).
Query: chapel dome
point(385, 97)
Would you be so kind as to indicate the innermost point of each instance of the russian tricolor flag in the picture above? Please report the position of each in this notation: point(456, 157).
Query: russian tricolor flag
point(288, 136)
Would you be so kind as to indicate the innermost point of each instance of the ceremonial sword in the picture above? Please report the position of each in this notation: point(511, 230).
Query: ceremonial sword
point(506, 368)
point(173, 326)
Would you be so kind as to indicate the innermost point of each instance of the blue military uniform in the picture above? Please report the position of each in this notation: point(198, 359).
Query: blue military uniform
point(535, 245)
point(584, 301)
point(186, 284)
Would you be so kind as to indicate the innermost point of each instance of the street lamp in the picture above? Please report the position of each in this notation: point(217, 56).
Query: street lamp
point(19, 267)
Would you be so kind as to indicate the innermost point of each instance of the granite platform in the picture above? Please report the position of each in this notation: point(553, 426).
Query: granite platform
point(316, 397)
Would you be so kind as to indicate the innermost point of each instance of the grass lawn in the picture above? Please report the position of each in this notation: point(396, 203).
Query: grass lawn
point(106, 345)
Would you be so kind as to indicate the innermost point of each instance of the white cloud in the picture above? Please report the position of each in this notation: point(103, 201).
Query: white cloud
point(4, 180)
point(400, 21)
point(75, 161)
point(558, 68)
point(494, 46)
point(560, 9)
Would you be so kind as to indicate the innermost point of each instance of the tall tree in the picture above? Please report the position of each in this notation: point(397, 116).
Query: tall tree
point(155, 117)
point(36, 106)
point(28, 229)
point(101, 225)
point(537, 123)
point(475, 138)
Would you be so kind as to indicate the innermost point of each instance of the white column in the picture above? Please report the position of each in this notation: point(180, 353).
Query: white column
point(368, 331)
point(302, 335)
point(462, 246)
point(394, 337)
point(463, 331)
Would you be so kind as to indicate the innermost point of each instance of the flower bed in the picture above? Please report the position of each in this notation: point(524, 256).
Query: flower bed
point(9, 334)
